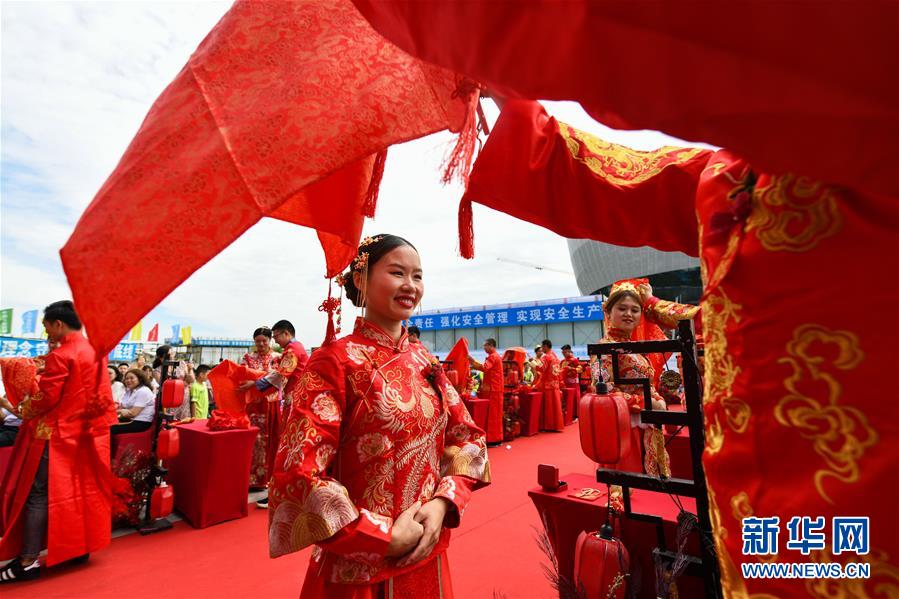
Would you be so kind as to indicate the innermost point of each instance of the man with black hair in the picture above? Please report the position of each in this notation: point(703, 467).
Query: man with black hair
point(414, 334)
point(285, 376)
point(57, 487)
point(199, 393)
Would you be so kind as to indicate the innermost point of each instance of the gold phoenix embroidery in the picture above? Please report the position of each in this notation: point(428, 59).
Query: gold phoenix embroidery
point(793, 214)
point(840, 434)
point(721, 369)
point(619, 164)
point(741, 507)
point(732, 581)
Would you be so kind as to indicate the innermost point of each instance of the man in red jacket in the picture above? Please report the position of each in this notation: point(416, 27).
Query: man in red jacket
point(492, 388)
point(57, 484)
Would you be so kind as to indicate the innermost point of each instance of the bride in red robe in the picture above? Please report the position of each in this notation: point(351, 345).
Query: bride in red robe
point(259, 406)
point(379, 456)
point(633, 314)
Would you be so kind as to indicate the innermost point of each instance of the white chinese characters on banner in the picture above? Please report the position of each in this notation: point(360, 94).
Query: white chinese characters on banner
point(571, 312)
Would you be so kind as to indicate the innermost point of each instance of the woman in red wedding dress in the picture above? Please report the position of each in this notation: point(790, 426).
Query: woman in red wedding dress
point(379, 456)
point(633, 314)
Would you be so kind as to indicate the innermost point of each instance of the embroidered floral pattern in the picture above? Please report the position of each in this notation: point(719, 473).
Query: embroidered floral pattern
point(372, 445)
point(325, 408)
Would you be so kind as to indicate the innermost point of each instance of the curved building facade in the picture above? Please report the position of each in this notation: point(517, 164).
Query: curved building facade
point(673, 275)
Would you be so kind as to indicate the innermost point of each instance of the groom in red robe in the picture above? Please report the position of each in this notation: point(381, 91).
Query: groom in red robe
point(56, 491)
point(492, 389)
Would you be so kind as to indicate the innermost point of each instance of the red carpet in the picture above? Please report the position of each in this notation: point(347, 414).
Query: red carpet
point(493, 554)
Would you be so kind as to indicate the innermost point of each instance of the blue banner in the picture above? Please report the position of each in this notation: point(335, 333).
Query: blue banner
point(176, 334)
point(13, 347)
point(509, 317)
point(16, 347)
point(29, 322)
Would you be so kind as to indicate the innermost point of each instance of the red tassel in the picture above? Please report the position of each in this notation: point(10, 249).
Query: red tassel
point(458, 164)
point(374, 186)
point(466, 229)
point(330, 306)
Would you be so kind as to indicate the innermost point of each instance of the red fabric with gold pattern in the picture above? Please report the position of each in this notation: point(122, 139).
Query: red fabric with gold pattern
point(788, 371)
point(369, 436)
point(279, 112)
point(19, 378)
point(789, 88)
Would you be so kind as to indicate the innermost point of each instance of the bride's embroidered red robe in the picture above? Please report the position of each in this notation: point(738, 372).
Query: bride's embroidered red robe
point(369, 436)
point(259, 405)
point(656, 460)
point(787, 371)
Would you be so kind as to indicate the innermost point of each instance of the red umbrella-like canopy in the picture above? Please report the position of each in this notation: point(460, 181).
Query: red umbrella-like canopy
point(804, 87)
point(282, 112)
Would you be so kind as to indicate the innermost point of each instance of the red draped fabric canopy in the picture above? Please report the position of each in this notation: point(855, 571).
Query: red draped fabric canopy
point(280, 112)
point(810, 88)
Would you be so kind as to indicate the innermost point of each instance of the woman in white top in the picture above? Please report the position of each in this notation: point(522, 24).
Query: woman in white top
point(137, 407)
point(115, 380)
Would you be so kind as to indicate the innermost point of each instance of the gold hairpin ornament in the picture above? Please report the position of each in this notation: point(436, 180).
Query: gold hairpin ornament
point(361, 261)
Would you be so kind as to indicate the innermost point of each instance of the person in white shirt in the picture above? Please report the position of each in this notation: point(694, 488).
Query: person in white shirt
point(148, 370)
point(115, 380)
point(137, 408)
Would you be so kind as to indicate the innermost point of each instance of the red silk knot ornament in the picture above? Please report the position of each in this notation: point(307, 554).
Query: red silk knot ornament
point(332, 306)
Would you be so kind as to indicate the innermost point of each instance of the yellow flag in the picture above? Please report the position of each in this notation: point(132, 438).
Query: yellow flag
point(137, 331)
point(185, 335)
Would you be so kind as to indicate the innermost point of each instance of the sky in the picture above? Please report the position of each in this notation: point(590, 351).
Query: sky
point(77, 79)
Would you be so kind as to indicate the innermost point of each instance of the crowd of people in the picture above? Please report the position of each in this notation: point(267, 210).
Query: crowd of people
point(331, 428)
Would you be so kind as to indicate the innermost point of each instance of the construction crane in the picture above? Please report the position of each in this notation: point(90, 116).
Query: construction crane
point(537, 266)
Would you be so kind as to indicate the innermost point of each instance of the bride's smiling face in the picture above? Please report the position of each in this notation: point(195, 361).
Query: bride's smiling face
point(395, 285)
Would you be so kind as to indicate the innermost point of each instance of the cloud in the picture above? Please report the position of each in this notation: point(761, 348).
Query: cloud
point(77, 81)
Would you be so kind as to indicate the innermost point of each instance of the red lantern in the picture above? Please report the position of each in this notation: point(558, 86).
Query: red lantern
point(162, 501)
point(167, 444)
point(172, 393)
point(600, 564)
point(605, 426)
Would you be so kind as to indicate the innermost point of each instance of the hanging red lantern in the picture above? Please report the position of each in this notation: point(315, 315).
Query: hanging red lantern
point(601, 564)
point(172, 393)
point(162, 502)
point(605, 426)
point(167, 444)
